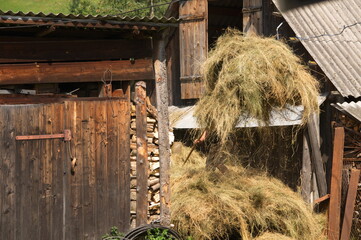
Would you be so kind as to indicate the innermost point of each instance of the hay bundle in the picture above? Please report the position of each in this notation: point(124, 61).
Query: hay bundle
point(250, 76)
point(239, 205)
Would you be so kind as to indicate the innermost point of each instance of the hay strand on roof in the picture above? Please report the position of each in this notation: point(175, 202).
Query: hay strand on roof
point(250, 76)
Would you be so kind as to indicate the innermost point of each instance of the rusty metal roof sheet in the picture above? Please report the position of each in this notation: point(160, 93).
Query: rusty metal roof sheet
point(351, 108)
point(330, 30)
point(71, 20)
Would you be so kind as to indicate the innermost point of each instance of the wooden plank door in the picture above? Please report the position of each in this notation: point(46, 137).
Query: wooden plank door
point(40, 196)
point(193, 34)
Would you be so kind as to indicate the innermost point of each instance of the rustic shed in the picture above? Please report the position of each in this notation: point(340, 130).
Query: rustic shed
point(326, 35)
point(66, 87)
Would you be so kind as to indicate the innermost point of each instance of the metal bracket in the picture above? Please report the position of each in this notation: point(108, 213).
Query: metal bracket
point(66, 135)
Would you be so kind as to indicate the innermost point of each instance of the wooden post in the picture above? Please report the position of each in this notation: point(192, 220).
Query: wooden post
point(336, 177)
point(350, 204)
point(160, 69)
point(312, 127)
point(306, 172)
point(142, 153)
point(252, 17)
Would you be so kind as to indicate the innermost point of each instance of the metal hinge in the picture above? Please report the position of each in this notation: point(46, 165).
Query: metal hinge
point(66, 135)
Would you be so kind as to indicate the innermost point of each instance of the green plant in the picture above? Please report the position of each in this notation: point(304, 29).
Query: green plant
point(158, 234)
point(113, 234)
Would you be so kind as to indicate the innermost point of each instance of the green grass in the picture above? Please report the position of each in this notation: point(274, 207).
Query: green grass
point(45, 6)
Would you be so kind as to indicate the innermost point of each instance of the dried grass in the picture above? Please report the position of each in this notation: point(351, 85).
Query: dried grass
point(208, 205)
point(250, 76)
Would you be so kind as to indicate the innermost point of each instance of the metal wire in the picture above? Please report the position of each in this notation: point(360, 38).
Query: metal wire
point(328, 34)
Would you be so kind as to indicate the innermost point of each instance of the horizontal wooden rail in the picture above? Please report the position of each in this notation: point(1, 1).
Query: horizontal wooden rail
point(122, 70)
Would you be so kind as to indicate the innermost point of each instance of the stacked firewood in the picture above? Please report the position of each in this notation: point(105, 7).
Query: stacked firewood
point(153, 158)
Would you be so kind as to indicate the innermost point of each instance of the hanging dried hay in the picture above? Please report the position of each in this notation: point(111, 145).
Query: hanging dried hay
point(251, 76)
point(208, 205)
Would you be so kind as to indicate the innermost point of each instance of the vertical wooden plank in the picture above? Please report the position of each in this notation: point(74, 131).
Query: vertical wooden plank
point(252, 17)
point(34, 159)
point(312, 127)
point(88, 143)
point(111, 109)
point(160, 69)
point(124, 164)
point(19, 152)
point(45, 200)
point(142, 153)
point(58, 174)
point(3, 178)
point(76, 223)
point(350, 204)
point(306, 172)
point(193, 33)
point(25, 214)
point(335, 194)
point(103, 142)
point(7, 172)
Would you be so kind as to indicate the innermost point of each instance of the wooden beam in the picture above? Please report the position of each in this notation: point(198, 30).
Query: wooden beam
point(313, 131)
point(306, 172)
point(350, 204)
point(142, 153)
point(322, 199)
point(25, 50)
point(75, 72)
point(335, 199)
point(160, 68)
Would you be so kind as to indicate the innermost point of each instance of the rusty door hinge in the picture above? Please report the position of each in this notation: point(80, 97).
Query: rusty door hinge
point(66, 135)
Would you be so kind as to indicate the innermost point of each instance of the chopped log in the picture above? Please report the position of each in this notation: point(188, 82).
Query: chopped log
point(336, 179)
point(350, 204)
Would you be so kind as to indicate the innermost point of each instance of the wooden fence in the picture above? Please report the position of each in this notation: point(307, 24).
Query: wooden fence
point(44, 196)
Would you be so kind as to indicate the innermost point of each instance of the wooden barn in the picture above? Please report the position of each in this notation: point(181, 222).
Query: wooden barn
point(326, 34)
point(80, 130)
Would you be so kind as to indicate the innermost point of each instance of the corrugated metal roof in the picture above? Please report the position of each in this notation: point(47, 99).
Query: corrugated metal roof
point(10, 17)
point(337, 49)
point(351, 108)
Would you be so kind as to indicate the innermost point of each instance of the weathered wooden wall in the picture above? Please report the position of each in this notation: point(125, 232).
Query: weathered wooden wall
point(40, 198)
point(193, 34)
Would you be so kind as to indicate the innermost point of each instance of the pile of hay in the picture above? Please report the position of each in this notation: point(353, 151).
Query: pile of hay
point(241, 204)
point(249, 76)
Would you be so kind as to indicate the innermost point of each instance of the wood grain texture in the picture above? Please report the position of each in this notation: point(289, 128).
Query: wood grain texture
point(350, 204)
point(313, 132)
point(31, 73)
point(160, 68)
point(193, 44)
point(142, 153)
point(252, 17)
point(336, 180)
point(41, 198)
point(306, 172)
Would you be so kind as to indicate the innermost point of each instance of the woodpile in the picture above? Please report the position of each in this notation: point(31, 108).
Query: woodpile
point(153, 158)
